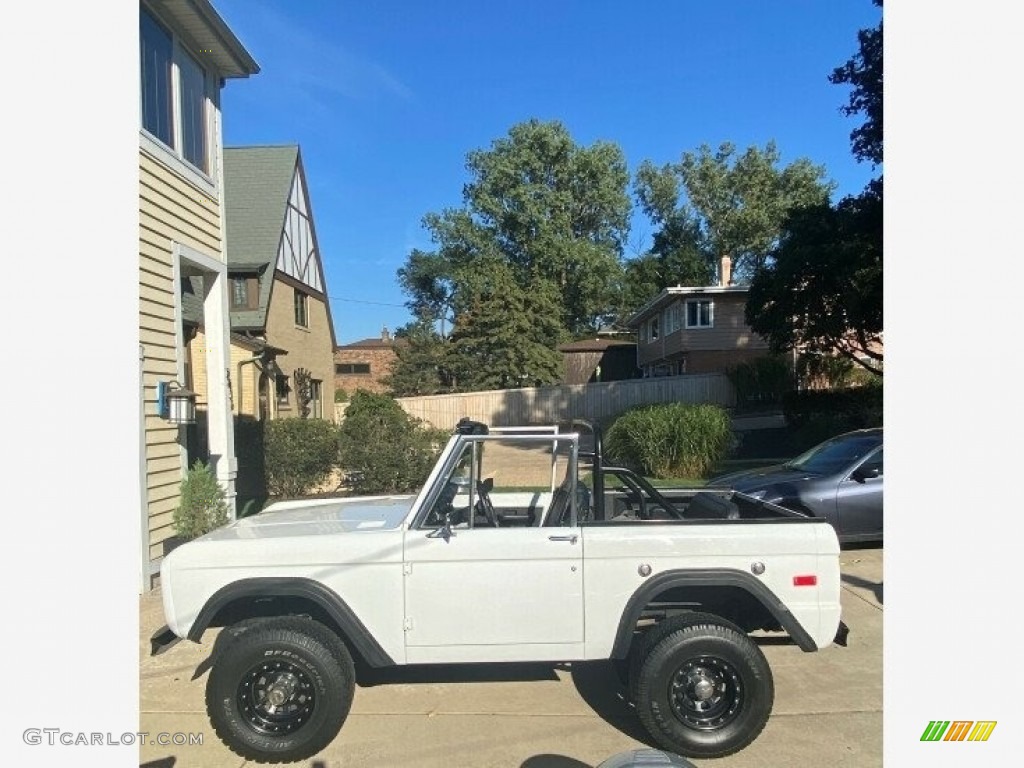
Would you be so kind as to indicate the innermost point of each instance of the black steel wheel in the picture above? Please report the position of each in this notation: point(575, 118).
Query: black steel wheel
point(281, 690)
point(704, 690)
point(644, 644)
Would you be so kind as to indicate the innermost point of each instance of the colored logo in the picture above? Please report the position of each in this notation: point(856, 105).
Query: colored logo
point(958, 730)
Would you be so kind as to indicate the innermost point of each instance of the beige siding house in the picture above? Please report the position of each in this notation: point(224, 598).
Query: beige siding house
point(186, 53)
point(695, 330)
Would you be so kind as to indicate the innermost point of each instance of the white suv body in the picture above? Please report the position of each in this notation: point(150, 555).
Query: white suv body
point(466, 573)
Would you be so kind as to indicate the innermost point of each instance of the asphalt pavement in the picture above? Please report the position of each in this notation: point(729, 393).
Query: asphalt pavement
point(828, 705)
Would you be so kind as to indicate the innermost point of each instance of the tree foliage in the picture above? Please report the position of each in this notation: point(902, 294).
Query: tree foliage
point(864, 73)
point(202, 505)
point(421, 363)
point(298, 455)
point(506, 336)
point(550, 212)
point(734, 203)
point(382, 448)
point(676, 257)
point(823, 292)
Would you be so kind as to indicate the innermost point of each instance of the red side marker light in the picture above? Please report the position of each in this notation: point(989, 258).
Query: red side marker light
point(805, 581)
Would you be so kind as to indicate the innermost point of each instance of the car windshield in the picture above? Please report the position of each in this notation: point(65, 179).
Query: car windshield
point(836, 454)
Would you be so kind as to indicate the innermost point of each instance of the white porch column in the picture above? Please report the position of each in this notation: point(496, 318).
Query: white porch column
point(216, 324)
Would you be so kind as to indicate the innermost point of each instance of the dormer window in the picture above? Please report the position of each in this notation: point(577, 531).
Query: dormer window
point(244, 292)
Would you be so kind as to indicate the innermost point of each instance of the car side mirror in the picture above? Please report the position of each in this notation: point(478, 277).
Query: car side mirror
point(862, 473)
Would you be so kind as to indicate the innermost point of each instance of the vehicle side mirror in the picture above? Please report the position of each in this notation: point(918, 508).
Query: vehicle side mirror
point(862, 473)
point(445, 531)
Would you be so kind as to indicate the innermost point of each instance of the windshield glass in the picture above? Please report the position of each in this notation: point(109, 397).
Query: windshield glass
point(836, 454)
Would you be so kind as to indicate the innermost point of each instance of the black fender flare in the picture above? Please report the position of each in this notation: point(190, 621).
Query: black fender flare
point(706, 577)
point(355, 631)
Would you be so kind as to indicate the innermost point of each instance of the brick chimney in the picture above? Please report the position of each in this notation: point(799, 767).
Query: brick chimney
point(725, 271)
point(385, 334)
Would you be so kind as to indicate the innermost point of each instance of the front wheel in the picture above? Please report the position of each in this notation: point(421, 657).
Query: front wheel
point(705, 690)
point(281, 691)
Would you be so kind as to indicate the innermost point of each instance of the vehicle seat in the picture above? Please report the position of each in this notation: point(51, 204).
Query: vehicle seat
point(480, 519)
point(560, 510)
point(711, 506)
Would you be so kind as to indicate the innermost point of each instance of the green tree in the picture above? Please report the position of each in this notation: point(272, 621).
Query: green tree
point(546, 209)
point(736, 202)
point(421, 366)
point(823, 291)
point(864, 73)
point(507, 336)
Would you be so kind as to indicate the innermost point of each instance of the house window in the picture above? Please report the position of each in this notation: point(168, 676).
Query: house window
point(157, 97)
point(193, 111)
point(283, 389)
point(653, 333)
point(174, 90)
point(671, 323)
point(352, 368)
point(700, 314)
point(316, 402)
point(301, 308)
point(244, 292)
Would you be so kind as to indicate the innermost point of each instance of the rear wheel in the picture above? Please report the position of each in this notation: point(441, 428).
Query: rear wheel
point(704, 690)
point(282, 691)
point(646, 642)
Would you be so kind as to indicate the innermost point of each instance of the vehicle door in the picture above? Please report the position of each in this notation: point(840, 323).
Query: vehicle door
point(483, 585)
point(859, 497)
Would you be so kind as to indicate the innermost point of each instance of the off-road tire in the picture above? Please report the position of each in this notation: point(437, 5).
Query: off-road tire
point(704, 690)
point(294, 657)
point(643, 645)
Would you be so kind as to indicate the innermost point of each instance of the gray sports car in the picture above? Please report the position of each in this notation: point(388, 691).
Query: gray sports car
point(839, 479)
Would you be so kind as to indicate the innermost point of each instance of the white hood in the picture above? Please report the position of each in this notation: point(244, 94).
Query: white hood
point(318, 518)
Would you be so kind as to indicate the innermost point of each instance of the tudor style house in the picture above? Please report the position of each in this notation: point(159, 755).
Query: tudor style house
point(696, 330)
point(187, 53)
point(282, 340)
point(278, 297)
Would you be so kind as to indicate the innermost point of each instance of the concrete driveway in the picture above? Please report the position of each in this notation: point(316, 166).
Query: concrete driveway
point(828, 705)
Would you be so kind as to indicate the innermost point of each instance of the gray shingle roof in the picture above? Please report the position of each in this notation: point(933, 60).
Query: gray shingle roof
point(257, 181)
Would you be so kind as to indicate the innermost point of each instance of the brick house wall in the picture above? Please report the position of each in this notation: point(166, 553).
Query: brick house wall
point(365, 364)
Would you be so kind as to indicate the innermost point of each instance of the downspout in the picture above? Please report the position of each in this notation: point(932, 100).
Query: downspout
point(255, 360)
point(145, 583)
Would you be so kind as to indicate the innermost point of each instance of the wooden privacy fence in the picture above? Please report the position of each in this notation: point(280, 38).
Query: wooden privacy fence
point(549, 405)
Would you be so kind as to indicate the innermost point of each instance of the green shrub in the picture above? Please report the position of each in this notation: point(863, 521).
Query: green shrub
point(340, 395)
point(761, 381)
point(203, 505)
point(382, 448)
point(821, 414)
point(670, 440)
point(298, 454)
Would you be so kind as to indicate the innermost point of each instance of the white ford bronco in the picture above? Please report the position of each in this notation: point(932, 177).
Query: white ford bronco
point(522, 546)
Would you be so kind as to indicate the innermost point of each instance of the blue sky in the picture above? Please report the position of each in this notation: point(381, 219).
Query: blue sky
point(386, 98)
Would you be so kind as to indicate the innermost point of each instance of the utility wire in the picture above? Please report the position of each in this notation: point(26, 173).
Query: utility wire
point(363, 301)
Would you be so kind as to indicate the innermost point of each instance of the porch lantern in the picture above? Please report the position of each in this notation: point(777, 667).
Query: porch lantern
point(176, 404)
